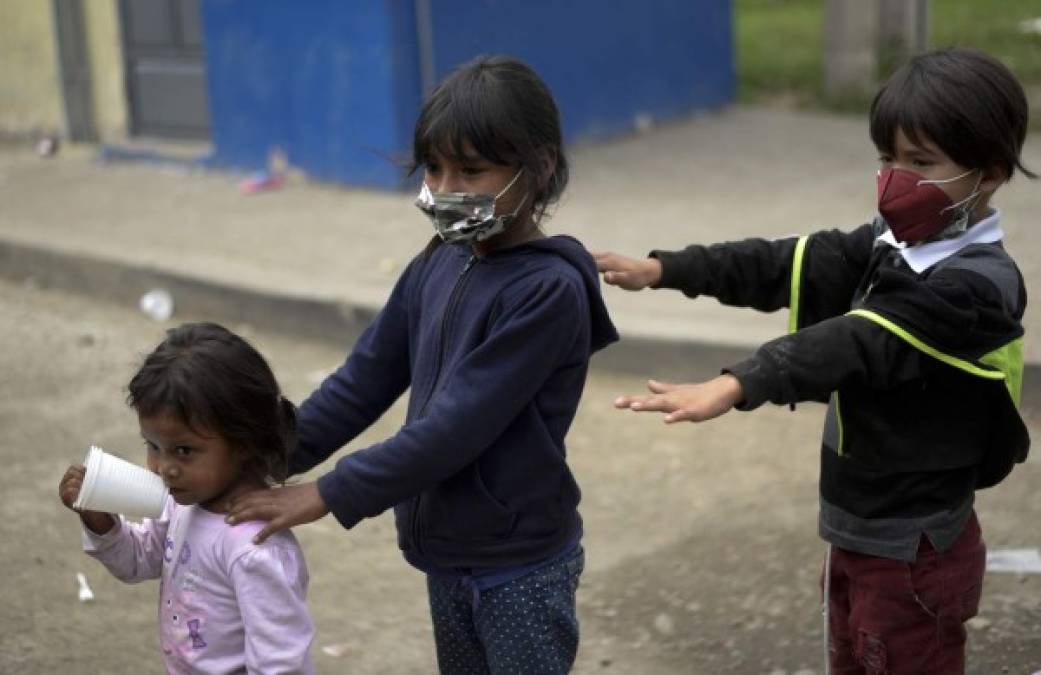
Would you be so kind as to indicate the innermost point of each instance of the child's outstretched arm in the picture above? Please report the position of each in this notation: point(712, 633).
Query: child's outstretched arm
point(374, 375)
point(803, 366)
point(696, 402)
point(487, 390)
point(764, 274)
point(630, 274)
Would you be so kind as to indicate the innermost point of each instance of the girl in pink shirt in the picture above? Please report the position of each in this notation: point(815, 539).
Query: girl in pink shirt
point(214, 425)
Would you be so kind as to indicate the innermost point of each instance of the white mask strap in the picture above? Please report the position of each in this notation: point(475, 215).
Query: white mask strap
point(972, 195)
point(948, 180)
point(510, 184)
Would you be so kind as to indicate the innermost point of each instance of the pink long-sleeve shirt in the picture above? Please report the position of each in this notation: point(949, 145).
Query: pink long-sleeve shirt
point(226, 605)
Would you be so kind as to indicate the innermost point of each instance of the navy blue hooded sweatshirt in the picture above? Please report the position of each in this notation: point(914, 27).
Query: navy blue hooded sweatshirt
point(495, 350)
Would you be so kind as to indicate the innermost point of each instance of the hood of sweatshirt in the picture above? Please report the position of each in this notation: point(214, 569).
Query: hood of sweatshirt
point(603, 331)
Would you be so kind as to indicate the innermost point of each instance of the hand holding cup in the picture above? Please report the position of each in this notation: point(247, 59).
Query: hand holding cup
point(69, 491)
point(106, 484)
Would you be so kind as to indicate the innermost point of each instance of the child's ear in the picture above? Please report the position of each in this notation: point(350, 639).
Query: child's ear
point(547, 165)
point(993, 178)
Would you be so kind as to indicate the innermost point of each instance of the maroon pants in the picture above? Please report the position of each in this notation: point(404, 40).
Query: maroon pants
point(889, 617)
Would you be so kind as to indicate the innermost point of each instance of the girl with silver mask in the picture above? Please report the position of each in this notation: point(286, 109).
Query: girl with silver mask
point(466, 216)
point(490, 172)
point(489, 337)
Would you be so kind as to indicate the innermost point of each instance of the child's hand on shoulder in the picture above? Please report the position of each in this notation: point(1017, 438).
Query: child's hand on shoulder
point(631, 274)
point(687, 402)
point(281, 507)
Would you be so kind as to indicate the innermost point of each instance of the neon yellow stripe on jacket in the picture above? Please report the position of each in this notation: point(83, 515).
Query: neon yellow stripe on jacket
point(793, 298)
point(1009, 360)
point(961, 364)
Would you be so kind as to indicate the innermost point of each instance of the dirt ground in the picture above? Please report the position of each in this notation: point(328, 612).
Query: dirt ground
point(702, 555)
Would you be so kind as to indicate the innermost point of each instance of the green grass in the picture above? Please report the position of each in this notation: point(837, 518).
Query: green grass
point(780, 47)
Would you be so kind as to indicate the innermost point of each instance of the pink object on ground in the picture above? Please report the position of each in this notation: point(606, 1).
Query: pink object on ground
point(260, 182)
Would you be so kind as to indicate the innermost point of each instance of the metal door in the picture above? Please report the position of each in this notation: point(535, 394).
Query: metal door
point(165, 68)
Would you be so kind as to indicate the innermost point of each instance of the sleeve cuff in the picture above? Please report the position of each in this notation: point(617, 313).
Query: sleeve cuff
point(93, 542)
point(681, 270)
point(754, 383)
point(664, 257)
point(333, 495)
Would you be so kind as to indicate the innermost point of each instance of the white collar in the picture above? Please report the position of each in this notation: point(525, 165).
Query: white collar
point(924, 256)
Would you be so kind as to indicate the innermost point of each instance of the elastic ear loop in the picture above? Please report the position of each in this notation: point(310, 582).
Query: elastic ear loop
point(973, 195)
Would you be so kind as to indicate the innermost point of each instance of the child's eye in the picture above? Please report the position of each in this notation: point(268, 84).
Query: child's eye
point(472, 170)
point(921, 163)
point(183, 450)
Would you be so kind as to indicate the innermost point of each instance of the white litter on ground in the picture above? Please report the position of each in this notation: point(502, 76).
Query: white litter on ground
point(85, 594)
point(1014, 560)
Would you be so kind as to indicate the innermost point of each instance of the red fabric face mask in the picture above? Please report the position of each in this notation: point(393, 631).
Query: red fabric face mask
point(914, 208)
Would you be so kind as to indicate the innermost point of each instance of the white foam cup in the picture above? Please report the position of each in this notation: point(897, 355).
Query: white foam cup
point(114, 485)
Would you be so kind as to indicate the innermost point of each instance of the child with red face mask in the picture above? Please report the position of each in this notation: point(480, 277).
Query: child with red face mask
point(909, 327)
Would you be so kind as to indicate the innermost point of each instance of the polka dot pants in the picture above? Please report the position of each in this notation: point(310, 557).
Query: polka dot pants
point(525, 626)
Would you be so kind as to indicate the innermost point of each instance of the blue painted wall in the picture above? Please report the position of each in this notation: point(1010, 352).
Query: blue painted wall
point(336, 84)
point(605, 62)
point(333, 83)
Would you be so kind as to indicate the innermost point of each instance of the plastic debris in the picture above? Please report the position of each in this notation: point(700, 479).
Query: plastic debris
point(85, 594)
point(1014, 560)
point(157, 304)
point(643, 122)
point(261, 181)
point(48, 146)
point(336, 651)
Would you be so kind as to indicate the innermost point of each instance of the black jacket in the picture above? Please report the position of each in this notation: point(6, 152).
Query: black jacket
point(921, 369)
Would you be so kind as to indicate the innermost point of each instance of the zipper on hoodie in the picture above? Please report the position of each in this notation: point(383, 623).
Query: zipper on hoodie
point(453, 301)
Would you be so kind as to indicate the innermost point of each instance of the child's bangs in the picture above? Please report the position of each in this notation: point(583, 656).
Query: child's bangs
point(171, 393)
point(447, 132)
point(900, 108)
point(926, 109)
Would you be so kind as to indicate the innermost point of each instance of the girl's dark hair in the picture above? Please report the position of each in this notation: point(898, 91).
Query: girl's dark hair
point(507, 114)
point(965, 101)
point(216, 382)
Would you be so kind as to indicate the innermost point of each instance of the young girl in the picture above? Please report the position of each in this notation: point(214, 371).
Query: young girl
point(909, 327)
point(492, 330)
point(214, 426)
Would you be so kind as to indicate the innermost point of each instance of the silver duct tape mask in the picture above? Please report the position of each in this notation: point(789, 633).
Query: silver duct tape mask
point(465, 216)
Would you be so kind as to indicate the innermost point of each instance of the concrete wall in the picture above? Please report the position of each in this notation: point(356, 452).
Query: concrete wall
point(105, 49)
point(30, 85)
point(30, 80)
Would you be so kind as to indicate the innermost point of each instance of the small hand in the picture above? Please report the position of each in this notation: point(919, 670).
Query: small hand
point(282, 508)
point(631, 274)
point(69, 491)
point(687, 402)
point(70, 484)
